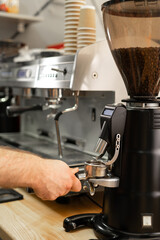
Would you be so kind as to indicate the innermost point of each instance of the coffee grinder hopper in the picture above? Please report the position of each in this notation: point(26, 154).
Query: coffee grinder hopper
point(131, 29)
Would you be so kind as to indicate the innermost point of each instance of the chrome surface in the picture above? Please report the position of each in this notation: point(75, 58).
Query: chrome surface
point(75, 107)
point(44, 147)
point(109, 182)
point(142, 105)
point(60, 154)
point(40, 73)
point(94, 169)
point(101, 146)
point(80, 72)
point(117, 148)
point(71, 109)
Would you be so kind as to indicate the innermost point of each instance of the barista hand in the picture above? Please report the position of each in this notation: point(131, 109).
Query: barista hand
point(49, 178)
point(54, 178)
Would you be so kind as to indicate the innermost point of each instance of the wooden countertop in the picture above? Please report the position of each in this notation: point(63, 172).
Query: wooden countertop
point(33, 219)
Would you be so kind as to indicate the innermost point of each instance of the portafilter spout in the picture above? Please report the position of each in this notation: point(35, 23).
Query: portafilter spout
point(56, 118)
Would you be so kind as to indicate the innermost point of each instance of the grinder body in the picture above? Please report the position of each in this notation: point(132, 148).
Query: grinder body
point(134, 207)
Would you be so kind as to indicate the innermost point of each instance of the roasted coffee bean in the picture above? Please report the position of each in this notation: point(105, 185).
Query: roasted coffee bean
point(140, 69)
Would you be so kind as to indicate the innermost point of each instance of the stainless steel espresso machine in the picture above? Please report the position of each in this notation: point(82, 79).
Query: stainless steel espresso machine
point(130, 131)
point(59, 99)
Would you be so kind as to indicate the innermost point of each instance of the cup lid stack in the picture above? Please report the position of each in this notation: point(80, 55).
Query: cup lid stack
point(72, 15)
point(86, 34)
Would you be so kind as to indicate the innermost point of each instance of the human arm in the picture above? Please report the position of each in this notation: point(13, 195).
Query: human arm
point(49, 178)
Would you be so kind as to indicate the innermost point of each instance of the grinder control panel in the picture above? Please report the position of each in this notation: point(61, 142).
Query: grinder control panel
point(112, 122)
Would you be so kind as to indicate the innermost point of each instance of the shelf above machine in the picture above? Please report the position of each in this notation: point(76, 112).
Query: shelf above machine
point(19, 19)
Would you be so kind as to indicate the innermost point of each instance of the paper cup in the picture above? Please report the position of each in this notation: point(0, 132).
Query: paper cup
point(71, 19)
point(75, 6)
point(86, 34)
point(68, 32)
point(85, 42)
point(87, 17)
point(69, 14)
point(72, 10)
point(67, 40)
point(70, 44)
point(71, 32)
point(82, 46)
point(86, 37)
point(79, 2)
point(86, 31)
point(67, 37)
point(71, 48)
point(67, 24)
point(71, 28)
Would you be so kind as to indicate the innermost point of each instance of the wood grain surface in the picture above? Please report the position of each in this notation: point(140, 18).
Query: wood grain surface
point(33, 219)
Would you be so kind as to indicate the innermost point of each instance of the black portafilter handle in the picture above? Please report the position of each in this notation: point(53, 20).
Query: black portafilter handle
point(17, 110)
point(30, 190)
point(77, 221)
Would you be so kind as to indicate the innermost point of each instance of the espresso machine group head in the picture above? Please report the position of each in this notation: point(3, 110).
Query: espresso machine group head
point(131, 209)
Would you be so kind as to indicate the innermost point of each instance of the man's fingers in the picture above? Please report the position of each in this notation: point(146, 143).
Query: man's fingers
point(75, 170)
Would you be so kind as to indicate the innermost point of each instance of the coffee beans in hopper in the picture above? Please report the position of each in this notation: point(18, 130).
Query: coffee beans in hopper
point(140, 69)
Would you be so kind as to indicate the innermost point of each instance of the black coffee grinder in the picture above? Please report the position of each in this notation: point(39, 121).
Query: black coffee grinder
point(130, 132)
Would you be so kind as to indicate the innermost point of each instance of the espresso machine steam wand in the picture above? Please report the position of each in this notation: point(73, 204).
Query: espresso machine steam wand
point(56, 118)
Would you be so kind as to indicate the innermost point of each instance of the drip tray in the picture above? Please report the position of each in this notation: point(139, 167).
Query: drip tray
point(43, 148)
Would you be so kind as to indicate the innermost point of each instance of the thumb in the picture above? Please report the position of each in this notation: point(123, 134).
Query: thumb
point(75, 170)
point(76, 187)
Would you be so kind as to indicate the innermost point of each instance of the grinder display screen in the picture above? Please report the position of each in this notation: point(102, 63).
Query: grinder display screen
point(108, 112)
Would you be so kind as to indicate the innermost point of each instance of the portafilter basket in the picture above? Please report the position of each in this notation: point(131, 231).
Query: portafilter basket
point(95, 169)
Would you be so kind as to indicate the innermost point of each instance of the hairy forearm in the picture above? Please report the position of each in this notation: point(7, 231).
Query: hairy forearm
point(16, 167)
point(49, 178)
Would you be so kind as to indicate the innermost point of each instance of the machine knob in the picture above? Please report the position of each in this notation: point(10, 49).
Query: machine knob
point(64, 71)
point(28, 73)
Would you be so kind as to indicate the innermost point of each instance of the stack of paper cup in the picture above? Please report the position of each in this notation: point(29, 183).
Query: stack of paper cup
point(87, 26)
point(72, 15)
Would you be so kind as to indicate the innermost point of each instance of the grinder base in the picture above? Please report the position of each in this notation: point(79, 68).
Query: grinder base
point(104, 232)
